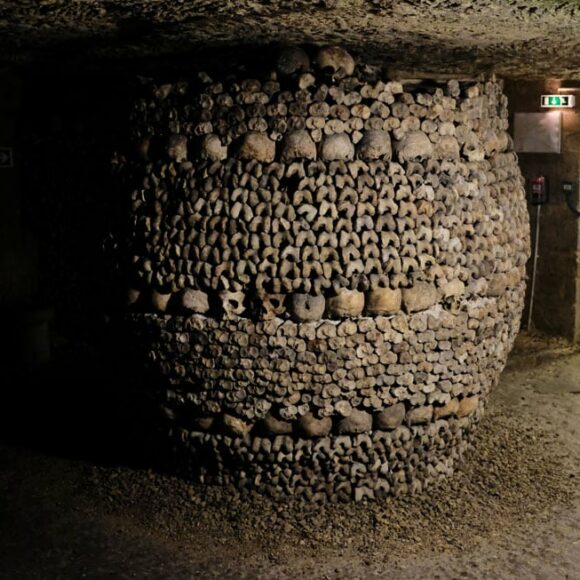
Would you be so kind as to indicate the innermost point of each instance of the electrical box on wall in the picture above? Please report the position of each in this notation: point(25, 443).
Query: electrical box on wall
point(568, 188)
point(538, 190)
point(569, 191)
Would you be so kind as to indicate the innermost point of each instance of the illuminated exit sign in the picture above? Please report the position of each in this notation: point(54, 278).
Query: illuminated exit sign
point(562, 101)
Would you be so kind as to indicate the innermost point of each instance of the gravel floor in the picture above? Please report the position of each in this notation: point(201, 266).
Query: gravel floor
point(513, 511)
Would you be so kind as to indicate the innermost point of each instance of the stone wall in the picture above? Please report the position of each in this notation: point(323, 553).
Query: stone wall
point(326, 266)
point(17, 253)
point(65, 141)
point(557, 293)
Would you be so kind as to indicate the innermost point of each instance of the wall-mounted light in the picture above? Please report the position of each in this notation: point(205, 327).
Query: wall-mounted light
point(569, 86)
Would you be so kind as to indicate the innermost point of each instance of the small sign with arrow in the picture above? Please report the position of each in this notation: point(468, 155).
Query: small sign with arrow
point(6, 157)
point(558, 101)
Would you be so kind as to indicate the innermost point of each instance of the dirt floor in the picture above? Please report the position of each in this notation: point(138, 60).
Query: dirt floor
point(512, 512)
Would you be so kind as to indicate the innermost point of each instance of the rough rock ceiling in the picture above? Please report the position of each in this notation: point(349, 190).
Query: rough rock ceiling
point(515, 38)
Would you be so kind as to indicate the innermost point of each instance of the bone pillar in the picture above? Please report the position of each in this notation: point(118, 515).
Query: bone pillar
point(360, 248)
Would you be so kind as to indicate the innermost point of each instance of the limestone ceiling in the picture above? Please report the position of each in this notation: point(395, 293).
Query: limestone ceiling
point(515, 38)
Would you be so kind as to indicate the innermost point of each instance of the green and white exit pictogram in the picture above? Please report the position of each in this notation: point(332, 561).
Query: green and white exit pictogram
point(562, 101)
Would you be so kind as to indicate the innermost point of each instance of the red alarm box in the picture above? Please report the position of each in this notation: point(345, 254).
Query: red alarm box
point(538, 190)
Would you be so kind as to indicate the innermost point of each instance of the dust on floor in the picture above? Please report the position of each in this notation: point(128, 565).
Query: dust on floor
point(512, 512)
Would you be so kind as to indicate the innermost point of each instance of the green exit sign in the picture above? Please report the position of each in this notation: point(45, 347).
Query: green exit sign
point(563, 101)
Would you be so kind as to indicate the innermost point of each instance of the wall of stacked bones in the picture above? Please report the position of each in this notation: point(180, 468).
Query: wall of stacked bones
point(327, 268)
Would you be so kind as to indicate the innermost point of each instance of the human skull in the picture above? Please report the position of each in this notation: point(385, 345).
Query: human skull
point(375, 145)
point(414, 146)
point(232, 303)
point(293, 60)
point(306, 308)
point(337, 147)
point(177, 147)
point(298, 145)
point(258, 146)
point(212, 148)
point(337, 60)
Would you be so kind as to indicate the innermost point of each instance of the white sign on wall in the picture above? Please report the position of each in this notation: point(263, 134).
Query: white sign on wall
point(538, 132)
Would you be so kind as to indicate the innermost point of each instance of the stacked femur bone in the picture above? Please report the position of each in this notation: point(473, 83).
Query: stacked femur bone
point(327, 267)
